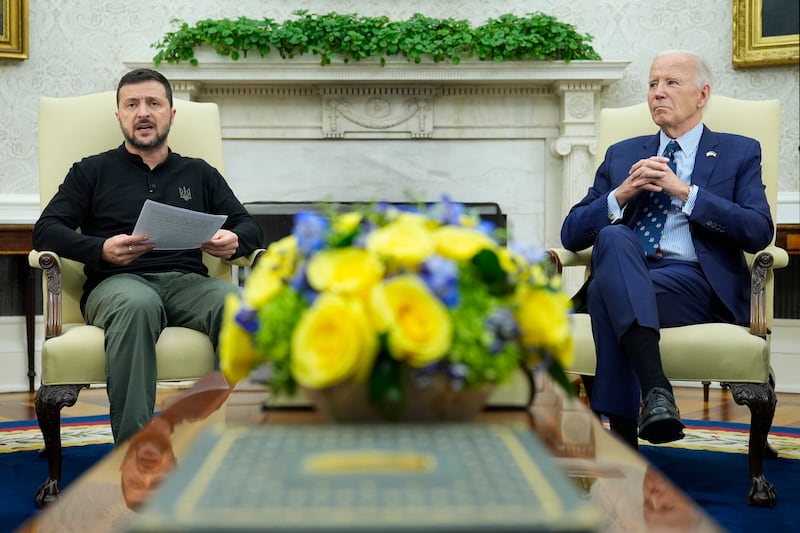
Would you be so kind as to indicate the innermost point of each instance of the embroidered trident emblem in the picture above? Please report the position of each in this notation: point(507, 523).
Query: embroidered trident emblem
point(185, 193)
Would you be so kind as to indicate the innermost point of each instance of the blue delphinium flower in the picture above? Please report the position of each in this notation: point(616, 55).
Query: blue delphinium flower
point(310, 229)
point(299, 282)
point(441, 277)
point(458, 373)
point(451, 211)
point(487, 228)
point(531, 254)
point(248, 319)
point(503, 328)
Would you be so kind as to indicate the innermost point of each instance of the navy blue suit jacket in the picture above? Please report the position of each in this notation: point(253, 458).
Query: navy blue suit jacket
point(731, 213)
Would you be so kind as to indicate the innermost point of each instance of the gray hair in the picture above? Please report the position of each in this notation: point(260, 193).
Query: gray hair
point(702, 72)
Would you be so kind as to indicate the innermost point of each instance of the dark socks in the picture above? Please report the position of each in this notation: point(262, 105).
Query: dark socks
point(640, 345)
point(626, 429)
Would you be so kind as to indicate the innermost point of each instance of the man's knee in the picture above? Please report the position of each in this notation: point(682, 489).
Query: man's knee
point(124, 299)
point(612, 234)
point(617, 244)
point(142, 305)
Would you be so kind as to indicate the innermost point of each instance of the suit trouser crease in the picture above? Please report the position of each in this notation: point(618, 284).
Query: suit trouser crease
point(626, 288)
point(133, 310)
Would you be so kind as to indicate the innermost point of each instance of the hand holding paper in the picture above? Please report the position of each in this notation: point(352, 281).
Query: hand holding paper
point(175, 228)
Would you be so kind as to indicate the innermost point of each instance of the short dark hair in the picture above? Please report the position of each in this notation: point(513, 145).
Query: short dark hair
point(145, 74)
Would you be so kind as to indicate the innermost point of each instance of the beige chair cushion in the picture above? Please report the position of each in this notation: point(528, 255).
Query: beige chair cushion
point(77, 356)
point(735, 354)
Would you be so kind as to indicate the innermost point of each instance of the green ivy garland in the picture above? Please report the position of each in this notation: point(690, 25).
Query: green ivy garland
point(351, 37)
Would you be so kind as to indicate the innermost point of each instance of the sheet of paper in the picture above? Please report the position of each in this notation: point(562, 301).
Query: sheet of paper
point(175, 228)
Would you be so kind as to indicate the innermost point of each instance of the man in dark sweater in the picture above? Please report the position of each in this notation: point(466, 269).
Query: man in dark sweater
point(134, 290)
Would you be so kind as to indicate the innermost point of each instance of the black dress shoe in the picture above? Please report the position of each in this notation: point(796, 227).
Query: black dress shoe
point(660, 420)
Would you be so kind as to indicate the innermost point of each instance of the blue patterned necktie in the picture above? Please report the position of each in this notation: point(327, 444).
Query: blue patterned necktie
point(651, 224)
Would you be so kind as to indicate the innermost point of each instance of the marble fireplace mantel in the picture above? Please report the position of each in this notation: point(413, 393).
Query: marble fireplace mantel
point(519, 133)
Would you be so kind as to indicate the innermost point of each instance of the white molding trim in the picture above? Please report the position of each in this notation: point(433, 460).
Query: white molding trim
point(19, 208)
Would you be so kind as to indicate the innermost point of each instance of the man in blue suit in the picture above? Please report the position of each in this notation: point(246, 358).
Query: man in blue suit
point(703, 193)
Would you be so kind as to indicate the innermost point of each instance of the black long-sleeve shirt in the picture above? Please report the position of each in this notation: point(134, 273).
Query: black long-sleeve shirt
point(102, 196)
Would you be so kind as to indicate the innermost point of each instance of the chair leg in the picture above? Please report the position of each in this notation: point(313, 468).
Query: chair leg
point(760, 399)
point(49, 401)
point(706, 387)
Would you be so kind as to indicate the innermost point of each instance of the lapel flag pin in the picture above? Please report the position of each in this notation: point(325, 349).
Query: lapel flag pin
point(711, 153)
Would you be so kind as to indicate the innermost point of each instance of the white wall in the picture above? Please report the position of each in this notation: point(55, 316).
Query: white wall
point(79, 46)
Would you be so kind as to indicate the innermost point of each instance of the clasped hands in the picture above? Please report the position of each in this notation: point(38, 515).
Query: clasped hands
point(651, 174)
point(124, 249)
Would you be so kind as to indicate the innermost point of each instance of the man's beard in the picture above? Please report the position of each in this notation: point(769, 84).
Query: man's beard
point(154, 143)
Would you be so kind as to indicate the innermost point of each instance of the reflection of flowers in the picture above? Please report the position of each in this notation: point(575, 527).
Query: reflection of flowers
point(366, 295)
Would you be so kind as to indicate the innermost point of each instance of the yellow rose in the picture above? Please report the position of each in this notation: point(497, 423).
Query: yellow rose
point(350, 271)
point(281, 257)
point(419, 327)
point(469, 221)
point(347, 222)
point(461, 244)
point(406, 241)
point(237, 352)
point(333, 342)
point(543, 317)
point(274, 266)
point(262, 285)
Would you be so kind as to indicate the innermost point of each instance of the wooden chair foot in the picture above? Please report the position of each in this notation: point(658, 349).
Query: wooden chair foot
point(49, 401)
point(761, 400)
point(762, 493)
point(47, 493)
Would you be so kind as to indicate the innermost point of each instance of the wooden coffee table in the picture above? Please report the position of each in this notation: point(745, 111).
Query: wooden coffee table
point(620, 482)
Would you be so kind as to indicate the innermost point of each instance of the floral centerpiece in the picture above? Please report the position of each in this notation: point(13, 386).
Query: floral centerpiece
point(389, 299)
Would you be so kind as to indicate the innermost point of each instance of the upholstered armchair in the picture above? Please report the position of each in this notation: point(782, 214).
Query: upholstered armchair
point(737, 357)
point(72, 353)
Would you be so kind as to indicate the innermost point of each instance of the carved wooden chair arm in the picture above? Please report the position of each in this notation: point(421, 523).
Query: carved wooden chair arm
point(50, 264)
point(763, 262)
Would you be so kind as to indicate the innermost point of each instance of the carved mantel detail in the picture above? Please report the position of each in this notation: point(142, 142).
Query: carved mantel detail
point(377, 110)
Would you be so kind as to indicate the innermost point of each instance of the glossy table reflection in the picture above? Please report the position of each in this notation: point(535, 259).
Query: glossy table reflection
point(632, 495)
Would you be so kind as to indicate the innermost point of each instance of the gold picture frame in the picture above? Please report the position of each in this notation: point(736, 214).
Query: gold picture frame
point(13, 29)
point(760, 33)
